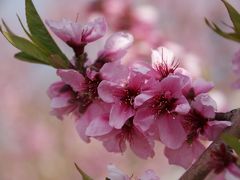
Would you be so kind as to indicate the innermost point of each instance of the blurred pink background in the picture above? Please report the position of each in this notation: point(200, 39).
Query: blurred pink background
point(35, 145)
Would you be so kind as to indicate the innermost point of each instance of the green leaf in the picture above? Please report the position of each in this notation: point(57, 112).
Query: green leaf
point(231, 36)
point(25, 30)
point(40, 34)
point(234, 15)
point(56, 61)
point(83, 174)
point(27, 58)
point(232, 141)
point(26, 46)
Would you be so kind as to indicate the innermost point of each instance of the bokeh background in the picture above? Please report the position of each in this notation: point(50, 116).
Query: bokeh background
point(36, 146)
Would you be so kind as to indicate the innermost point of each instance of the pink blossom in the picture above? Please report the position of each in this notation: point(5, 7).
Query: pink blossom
point(116, 46)
point(200, 120)
point(140, 143)
point(198, 123)
point(165, 108)
point(61, 96)
point(196, 87)
point(122, 97)
point(74, 92)
point(224, 163)
point(74, 34)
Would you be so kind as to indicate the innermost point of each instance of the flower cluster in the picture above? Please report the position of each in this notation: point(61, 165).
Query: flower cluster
point(138, 104)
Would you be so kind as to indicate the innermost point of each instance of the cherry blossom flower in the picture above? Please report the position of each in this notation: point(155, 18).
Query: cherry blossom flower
point(199, 124)
point(164, 107)
point(115, 141)
point(224, 163)
point(74, 92)
point(122, 97)
point(61, 96)
point(76, 35)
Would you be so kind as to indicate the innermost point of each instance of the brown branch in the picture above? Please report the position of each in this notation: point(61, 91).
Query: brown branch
point(201, 168)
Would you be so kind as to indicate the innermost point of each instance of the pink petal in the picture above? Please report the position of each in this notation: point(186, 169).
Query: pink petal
point(61, 101)
point(204, 104)
point(94, 30)
point(115, 72)
point(183, 106)
point(141, 145)
point(182, 156)
point(81, 125)
point(202, 86)
point(171, 131)
point(162, 55)
point(114, 144)
point(66, 30)
point(116, 46)
point(234, 170)
point(140, 99)
point(96, 109)
point(54, 89)
point(143, 119)
point(72, 78)
point(119, 114)
point(171, 84)
point(106, 91)
point(98, 126)
point(214, 128)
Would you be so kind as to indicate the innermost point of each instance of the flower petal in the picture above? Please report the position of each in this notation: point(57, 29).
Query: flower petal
point(98, 126)
point(143, 119)
point(72, 78)
point(94, 30)
point(171, 131)
point(141, 145)
point(106, 91)
point(119, 114)
point(182, 156)
point(116, 46)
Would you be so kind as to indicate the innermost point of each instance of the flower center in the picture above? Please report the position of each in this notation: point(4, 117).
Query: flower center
point(85, 98)
point(165, 69)
point(194, 123)
point(126, 132)
point(90, 94)
point(129, 96)
point(164, 104)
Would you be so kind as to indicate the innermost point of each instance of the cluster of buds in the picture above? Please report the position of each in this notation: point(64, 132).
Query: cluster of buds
point(138, 104)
